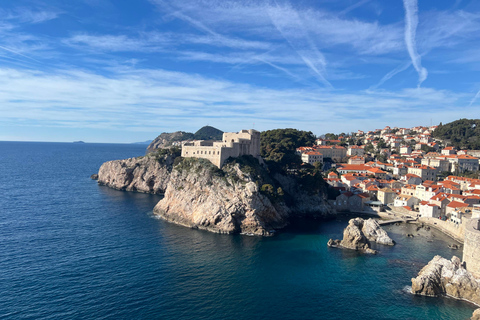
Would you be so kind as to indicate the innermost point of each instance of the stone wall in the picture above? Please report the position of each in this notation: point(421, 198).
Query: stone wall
point(455, 231)
point(471, 248)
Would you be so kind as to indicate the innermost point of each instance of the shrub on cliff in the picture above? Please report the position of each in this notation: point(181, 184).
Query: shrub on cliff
point(277, 147)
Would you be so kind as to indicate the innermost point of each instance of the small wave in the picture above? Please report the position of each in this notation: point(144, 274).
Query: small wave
point(407, 289)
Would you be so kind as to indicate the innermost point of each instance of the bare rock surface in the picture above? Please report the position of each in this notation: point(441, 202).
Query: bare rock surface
point(476, 315)
point(358, 234)
point(201, 196)
point(373, 232)
point(144, 174)
point(447, 277)
point(239, 198)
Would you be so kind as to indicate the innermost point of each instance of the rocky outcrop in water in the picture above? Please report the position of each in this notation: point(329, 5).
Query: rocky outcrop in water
point(199, 195)
point(149, 174)
point(447, 277)
point(235, 199)
point(241, 197)
point(358, 234)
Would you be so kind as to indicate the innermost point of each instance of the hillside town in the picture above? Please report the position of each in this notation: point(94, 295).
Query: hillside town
point(401, 170)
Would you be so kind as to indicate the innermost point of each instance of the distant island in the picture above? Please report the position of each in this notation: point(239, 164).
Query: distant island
point(79, 141)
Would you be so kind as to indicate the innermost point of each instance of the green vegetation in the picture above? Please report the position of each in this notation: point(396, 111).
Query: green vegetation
point(208, 133)
point(463, 133)
point(278, 147)
point(161, 154)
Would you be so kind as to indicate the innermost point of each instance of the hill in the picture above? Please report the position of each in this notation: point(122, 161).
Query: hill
point(463, 133)
point(165, 140)
point(208, 133)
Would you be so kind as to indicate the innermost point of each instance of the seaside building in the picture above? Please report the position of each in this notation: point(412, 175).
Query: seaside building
point(245, 142)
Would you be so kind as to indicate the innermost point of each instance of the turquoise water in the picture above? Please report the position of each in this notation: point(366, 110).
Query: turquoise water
point(74, 250)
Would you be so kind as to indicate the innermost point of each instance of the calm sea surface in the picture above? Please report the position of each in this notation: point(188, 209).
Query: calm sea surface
point(71, 249)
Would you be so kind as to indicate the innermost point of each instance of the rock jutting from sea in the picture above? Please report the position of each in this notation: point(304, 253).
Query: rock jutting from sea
point(149, 174)
point(447, 277)
point(358, 234)
point(242, 197)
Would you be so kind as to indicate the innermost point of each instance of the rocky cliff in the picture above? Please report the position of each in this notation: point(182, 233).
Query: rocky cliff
point(242, 197)
point(149, 174)
point(447, 277)
point(199, 195)
point(358, 234)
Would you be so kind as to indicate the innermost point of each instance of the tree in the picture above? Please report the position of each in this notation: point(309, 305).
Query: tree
point(278, 147)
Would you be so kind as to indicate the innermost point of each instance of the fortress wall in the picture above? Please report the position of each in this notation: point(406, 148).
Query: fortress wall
point(471, 248)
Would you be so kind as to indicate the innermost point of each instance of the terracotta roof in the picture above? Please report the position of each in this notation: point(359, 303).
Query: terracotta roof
point(456, 204)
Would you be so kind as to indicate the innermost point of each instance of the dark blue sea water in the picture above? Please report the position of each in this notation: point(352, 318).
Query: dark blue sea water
point(71, 249)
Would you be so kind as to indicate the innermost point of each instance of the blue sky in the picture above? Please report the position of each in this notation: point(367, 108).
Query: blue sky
point(125, 71)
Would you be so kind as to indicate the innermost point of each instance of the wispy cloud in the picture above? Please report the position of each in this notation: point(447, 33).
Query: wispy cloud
point(411, 22)
point(29, 15)
point(474, 99)
point(287, 22)
point(353, 6)
point(140, 99)
point(392, 73)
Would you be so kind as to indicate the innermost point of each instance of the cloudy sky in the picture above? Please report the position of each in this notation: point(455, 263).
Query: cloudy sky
point(125, 71)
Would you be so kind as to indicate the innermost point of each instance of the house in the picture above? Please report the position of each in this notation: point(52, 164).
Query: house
point(377, 172)
point(449, 151)
point(429, 210)
point(454, 205)
point(423, 192)
point(405, 150)
point(462, 163)
point(311, 157)
point(403, 200)
point(356, 160)
point(386, 196)
point(352, 168)
point(410, 178)
point(355, 151)
point(441, 200)
point(424, 172)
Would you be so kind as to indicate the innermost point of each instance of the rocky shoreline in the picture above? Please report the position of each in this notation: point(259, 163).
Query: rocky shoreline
point(449, 278)
point(239, 198)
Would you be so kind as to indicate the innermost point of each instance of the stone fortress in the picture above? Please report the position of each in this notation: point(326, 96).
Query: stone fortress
point(245, 142)
point(471, 247)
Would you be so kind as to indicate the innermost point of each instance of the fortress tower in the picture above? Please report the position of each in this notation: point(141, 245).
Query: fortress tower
point(471, 247)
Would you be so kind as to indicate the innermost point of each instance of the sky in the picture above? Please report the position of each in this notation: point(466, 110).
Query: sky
point(126, 71)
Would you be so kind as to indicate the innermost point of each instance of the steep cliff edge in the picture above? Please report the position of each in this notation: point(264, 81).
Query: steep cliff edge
point(242, 197)
point(149, 174)
point(199, 195)
point(447, 277)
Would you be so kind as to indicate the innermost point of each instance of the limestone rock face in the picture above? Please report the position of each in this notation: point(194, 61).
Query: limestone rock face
point(373, 232)
point(145, 174)
point(204, 197)
point(358, 234)
point(476, 315)
point(447, 277)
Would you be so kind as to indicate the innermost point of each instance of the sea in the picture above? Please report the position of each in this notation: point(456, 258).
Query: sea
point(71, 249)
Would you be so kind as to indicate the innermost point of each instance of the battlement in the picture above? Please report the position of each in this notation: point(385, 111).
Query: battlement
point(233, 144)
